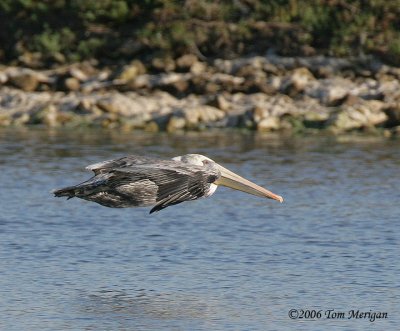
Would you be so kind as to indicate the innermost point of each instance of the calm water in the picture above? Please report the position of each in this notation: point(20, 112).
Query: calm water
point(230, 262)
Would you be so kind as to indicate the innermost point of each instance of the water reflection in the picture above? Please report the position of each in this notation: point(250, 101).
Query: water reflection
point(147, 304)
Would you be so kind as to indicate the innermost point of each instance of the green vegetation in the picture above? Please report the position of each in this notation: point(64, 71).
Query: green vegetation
point(113, 30)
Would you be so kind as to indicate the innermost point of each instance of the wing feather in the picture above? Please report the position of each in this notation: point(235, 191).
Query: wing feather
point(186, 189)
point(127, 161)
point(174, 185)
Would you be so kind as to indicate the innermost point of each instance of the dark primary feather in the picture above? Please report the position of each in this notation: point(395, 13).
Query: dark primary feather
point(142, 181)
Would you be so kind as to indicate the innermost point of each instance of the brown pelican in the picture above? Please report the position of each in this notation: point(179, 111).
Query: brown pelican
point(137, 181)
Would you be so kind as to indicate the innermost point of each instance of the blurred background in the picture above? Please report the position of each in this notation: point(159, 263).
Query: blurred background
point(301, 97)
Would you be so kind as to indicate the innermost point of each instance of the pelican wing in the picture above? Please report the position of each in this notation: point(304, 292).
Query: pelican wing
point(175, 183)
point(183, 189)
point(127, 161)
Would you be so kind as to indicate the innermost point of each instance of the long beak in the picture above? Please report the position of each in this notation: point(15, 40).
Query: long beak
point(232, 180)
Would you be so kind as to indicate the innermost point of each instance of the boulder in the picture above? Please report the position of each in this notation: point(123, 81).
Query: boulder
point(47, 115)
point(363, 114)
point(297, 81)
point(176, 123)
point(268, 124)
point(202, 114)
point(198, 68)
point(163, 64)
point(185, 62)
point(118, 103)
point(72, 84)
point(27, 81)
point(329, 91)
point(131, 71)
point(78, 74)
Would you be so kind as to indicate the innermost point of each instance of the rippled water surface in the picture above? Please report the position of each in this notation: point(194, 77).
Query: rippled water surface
point(230, 262)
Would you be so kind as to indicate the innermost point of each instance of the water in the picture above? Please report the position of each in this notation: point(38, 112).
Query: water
point(230, 262)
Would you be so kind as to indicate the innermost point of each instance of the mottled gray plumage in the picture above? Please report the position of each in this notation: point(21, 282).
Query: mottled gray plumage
point(136, 181)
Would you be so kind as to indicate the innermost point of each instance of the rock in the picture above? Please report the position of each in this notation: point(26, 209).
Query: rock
point(47, 115)
point(269, 68)
point(131, 71)
point(268, 124)
point(118, 103)
point(226, 80)
point(163, 64)
point(5, 119)
point(176, 123)
point(201, 114)
point(198, 68)
point(225, 66)
point(177, 87)
point(330, 91)
point(209, 114)
point(223, 103)
point(170, 78)
point(357, 116)
point(31, 60)
point(142, 81)
point(78, 74)
point(26, 81)
point(185, 62)
point(84, 106)
point(72, 84)
point(21, 119)
point(3, 78)
point(151, 126)
point(297, 81)
point(277, 105)
point(275, 82)
point(211, 88)
point(177, 80)
point(351, 100)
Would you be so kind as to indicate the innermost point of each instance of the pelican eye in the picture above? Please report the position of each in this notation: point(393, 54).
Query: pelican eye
point(206, 162)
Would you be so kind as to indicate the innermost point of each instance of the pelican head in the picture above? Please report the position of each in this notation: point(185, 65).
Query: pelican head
point(229, 178)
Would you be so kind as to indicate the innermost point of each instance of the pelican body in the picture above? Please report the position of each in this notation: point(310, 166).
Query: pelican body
point(137, 181)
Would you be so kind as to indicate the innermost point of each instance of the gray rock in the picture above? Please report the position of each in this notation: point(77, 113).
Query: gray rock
point(362, 114)
point(297, 81)
point(329, 91)
point(203, 113)
point(120, 104)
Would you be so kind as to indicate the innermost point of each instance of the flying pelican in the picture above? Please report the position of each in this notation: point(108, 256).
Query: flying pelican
point(138, 181)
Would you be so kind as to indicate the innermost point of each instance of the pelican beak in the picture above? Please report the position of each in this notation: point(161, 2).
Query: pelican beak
point(232, 180)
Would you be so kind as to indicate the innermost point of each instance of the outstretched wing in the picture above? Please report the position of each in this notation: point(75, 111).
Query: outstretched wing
point(127, 161)
point(175, 183)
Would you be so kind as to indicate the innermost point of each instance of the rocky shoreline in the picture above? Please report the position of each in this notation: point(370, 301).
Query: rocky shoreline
point(259, 93)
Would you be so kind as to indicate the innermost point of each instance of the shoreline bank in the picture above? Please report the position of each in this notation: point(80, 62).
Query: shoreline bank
point(271, 93)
